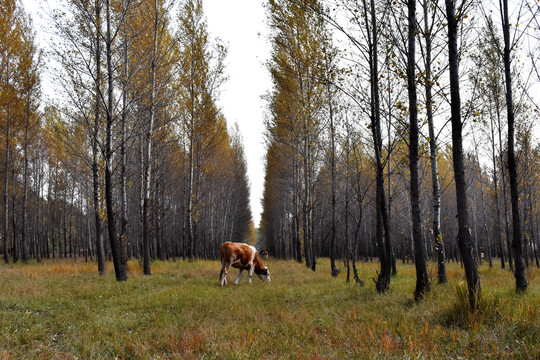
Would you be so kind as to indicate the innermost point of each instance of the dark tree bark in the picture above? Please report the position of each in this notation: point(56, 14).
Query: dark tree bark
point(6, 188)
point(422, 280)
point(496, 190)
point(382, 232)
point(519, 268)
point(25, 224)
point(465, 241)
point(333, 267)
point(118, 251)
point(123, 154)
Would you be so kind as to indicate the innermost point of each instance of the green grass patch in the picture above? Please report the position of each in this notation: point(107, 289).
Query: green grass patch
point(64, 309)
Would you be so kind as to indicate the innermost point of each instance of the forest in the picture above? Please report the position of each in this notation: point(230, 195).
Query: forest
point(134, 159)
point(396, 131)
point(404, 131)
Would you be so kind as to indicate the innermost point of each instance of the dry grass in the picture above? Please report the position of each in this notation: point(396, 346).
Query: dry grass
point(63, 309)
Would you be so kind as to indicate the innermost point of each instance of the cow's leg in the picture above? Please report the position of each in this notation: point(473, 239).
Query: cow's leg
point(239, 276)
point(250, 272)
point(223, 275)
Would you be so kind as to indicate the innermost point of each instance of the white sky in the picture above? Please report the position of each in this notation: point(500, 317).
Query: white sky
point(242, 25)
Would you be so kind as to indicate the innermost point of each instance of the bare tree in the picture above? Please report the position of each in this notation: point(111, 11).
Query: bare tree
point(465, 241)
point(519, 269)
point(422, 280)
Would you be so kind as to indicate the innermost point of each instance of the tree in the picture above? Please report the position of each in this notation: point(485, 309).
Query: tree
point(422, 280)
point(429, 33)
point(297, 69)
point(95, 138)
point(117, 248)
point(19, 79)
point(519, 270)
point(465, 242)
point(201, 75)
point(488, 80)
point(30, 65)
point(160, 49)
point(382, 230)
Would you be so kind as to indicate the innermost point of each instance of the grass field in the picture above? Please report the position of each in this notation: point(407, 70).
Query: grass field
point(64, 310)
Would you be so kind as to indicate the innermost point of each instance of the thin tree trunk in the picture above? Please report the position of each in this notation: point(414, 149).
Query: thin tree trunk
point(433, 147)
point(496, 190)
point(100, 246)
point(505, 193)
point(465, 242)
point(123, 160)
point(382, 230)
point(39, 220)
point(148, 153)
point(14, 232)
point(536, 242)
point(64, 223)
point(25, 183)
point(519, 270)
point(191, 170)
point(484, 215)
point(70, 223)
point(333, 268)
point(389, 180)
point(6, 187)
point(296, 223)
point(422, 280)
point(119, 258)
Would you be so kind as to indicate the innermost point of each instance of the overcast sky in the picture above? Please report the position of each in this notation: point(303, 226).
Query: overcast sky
point(242, 25)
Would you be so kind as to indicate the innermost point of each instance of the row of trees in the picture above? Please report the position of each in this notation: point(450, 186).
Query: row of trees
point(367, 144)
point(132, 157)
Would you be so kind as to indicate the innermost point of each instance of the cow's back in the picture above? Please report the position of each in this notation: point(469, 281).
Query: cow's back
point(237, 254)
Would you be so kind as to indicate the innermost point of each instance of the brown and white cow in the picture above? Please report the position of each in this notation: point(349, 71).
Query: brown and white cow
point(243, 257)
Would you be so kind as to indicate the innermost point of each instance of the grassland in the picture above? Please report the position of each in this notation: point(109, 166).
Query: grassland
point(64, 309)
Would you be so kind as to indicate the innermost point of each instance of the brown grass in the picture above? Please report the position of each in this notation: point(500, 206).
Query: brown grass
point(64, 309)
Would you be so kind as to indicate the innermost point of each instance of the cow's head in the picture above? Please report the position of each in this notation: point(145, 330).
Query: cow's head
point(264, 254)
point(264, 274)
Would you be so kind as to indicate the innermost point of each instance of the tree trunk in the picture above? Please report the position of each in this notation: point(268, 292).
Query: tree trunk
point(119, 258)
point(505, 193)
point(433, 148)
point(296, 205)
point(123, 159)
point(6, 188)
point(496, 191)
point(382, 234)
point(100, 247)
point(465, 243)
point(422, 280)
point(39, 220)
point(148, 153)
point(333, 268)
point(14, 232)
point(484, 214)
point(519, 270)
point(25, 224)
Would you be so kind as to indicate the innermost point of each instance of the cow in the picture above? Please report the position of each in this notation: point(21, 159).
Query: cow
point(243, 257)
point(264, 254)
